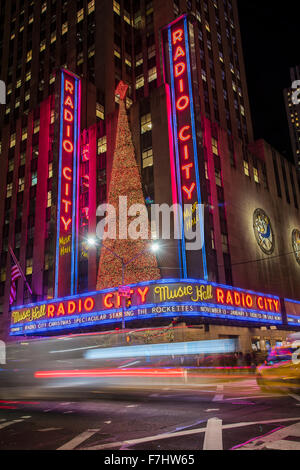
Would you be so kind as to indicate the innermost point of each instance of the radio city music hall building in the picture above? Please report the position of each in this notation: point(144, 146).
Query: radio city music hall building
point(191, 128)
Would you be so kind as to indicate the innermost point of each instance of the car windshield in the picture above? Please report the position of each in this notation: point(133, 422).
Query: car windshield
point(280, 355)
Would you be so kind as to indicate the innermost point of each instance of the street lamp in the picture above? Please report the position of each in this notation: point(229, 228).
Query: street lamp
point(92, 242)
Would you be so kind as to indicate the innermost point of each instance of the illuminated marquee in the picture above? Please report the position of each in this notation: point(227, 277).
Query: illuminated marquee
point(166, 298)
point(179, 76)
point(67, 220)
point(292, 308)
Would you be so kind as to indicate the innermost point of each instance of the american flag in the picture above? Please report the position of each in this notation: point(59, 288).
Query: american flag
point(15, 274)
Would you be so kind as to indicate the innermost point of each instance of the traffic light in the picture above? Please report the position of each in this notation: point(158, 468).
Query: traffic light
point(128, 302)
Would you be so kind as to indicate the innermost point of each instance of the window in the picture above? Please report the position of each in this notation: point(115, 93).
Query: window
point(206, 170)
point(21, 184)
point(80, 15)
point(22, 158)
point(146, 123)
point(64, 28)
point(213, 243)
point(151, 51)
point(49, 199)
point(11, 165)
point(255, 174)
point(44, 7)
point(99, 111)
point(246, 168)
point(147, 158)
point(12, 140)
point(139, 59)
point(140, 81)
point(214, 144)
point(3, 275)
point(91, 7)
point(102, 145)
point(43, 45)
point(36, 126)
point(224, 243)
point(218, 178)
point(29, 267)
point(152, 74)
point(9, 190)
point(50, 170)
point(116, 7)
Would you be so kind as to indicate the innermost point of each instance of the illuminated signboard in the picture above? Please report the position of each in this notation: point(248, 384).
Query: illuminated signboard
point(67, 214)
point(178, 74)
point(292, 308)
point(155, 299)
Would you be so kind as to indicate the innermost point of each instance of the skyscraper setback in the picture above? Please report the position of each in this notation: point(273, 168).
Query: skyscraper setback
point(95, 44)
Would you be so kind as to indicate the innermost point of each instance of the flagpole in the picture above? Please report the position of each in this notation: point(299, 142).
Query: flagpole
point(20, 269)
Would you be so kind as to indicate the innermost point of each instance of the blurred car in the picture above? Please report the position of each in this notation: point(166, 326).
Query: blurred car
point(281, 370)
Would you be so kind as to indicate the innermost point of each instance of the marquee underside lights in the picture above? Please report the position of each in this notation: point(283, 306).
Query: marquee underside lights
point(67, 205)
point(154, 299)
point(178, 74)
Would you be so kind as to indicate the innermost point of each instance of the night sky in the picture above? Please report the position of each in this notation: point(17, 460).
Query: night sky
point(271, 45)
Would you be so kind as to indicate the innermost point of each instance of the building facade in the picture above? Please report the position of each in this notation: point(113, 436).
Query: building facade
point(249, 192)
point(292, 111)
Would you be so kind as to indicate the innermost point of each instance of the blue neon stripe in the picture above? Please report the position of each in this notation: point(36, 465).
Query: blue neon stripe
point(59, 187)
point(195, 143)
point(182, 255)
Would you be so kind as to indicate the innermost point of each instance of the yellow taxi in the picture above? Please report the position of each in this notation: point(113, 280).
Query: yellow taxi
point(281, 370)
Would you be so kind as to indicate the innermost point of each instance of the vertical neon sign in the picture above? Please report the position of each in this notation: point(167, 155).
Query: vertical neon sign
point(184, 132)
point(67, 201)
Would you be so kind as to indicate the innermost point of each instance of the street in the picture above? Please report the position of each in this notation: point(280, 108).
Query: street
point(228, 415)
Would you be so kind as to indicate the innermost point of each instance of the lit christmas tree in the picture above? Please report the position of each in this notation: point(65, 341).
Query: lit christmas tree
point(125, 181)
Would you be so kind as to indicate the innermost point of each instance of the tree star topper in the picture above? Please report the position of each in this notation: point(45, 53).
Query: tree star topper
point(121, 90)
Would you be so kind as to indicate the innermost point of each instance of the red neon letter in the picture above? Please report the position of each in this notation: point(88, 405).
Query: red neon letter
point(177, 36)
point(61, 309)
point(69, 102)
point(237, 299)
point(182, 137)
point(68, 146)
point(66, 223)
point(249, 301)
point(68, 116)
point(89, 304)
point(67, 205)
point(71, 307)
point(65, 170)
point(179, 69)
point(106, 302)
point(186, 152)
point(189, 192)
point(182, 103)
point(143, 294)
point(220, 295)
point(187, 168)
point(50, 310)
point(69, 87)
point(179, 53)
point(260, 303)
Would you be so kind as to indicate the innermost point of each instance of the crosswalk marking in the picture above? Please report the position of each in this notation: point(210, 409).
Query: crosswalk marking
point(9, 423)
point(283, 445)
point(213, 435)
point(276, 440)
point(84, 436)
